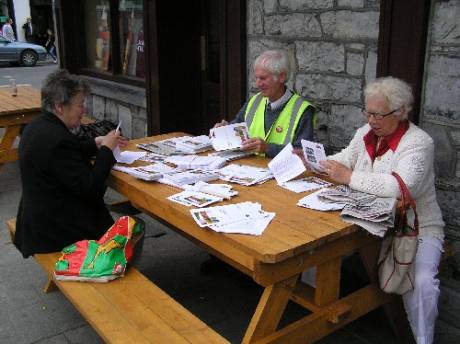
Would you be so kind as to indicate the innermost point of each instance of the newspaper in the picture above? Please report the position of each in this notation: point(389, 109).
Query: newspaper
point(305, 184)
point(374, 214)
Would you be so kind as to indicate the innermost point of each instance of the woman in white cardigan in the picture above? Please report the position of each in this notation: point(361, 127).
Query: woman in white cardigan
point(389, 142)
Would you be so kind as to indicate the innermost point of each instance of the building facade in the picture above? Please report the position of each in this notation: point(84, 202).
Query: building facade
point(159, 68)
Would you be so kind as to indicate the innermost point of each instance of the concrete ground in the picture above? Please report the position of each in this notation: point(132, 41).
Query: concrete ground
point(225, 300)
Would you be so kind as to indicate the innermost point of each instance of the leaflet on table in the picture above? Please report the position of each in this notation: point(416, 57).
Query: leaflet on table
point(153, 157)
point(226, 214)
point(229, 136)
point(196, 161)
point(286, 165)
point(314, 153)
point(231, 155)
point(193, 144)
point(219, 190)
point(244, 218)
point(179, 179)
point(305, 184)
point(139, 172)
point(251, 227)
point(244, 174)
point(126, 157)
point(194, 198)
point(312, 201)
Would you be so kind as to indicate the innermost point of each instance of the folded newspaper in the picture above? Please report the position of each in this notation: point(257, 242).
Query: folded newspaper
point(374, 214)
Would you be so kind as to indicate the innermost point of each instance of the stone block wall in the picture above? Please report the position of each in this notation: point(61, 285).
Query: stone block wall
point(333, 49)
point(115, 101)
point(440, 111)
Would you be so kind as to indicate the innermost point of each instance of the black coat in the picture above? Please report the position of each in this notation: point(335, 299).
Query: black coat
point(62, 192)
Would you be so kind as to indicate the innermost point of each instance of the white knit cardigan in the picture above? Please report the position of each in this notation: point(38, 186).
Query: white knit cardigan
point(412, 160)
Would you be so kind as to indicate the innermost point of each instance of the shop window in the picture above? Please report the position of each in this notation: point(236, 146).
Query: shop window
point(114, 37)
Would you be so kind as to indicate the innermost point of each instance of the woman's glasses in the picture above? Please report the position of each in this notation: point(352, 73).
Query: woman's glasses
point(378, 116)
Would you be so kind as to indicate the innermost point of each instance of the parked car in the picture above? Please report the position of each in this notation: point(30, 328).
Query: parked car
point(24, 53)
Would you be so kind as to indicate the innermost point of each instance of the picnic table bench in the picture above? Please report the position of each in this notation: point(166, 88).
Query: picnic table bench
point(131, 309)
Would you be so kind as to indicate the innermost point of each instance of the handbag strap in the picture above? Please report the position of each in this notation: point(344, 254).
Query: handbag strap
point(407, 200)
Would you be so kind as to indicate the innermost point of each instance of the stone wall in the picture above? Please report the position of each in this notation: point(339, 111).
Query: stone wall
point(115, 102)
point(440, 114)
point(333, 48)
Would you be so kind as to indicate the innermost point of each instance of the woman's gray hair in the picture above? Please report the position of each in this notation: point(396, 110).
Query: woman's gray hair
point(60, 87)
point(275, 62)
point(397, 92)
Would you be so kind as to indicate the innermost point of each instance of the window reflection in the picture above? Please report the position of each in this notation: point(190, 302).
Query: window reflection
point(132, 38)
point(97, 31)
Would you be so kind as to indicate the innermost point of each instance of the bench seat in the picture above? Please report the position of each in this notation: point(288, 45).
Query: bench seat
point(131, 309)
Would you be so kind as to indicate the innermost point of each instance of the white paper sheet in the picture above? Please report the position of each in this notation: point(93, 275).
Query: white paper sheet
point(192, 198)
point(305, 184)
point(229, 136)
point(312, 201)
point(127, 157)
point(286, 165)
point(314, 153)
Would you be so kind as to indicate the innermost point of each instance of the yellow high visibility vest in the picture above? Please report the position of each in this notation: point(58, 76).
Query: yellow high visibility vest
point(283, 129)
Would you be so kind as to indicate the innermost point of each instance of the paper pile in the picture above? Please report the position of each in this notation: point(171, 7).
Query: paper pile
point(305, 184)
point(244, 174)
point(181, 178)
point(244, 218)
point(231, 155)
point(196, 161)
point(193, 144)
point(149, 173)
point(220, 190)
point(192, 198)
point(229, 136)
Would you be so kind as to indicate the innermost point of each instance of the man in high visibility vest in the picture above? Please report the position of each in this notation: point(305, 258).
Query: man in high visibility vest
point(275, 116)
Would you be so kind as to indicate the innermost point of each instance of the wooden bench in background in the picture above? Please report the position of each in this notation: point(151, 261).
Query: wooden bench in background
point(130, 309)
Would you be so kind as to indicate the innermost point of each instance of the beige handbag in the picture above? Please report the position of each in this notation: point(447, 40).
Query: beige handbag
point(396, 264)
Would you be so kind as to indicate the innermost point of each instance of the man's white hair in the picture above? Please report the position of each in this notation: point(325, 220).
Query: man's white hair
point(275, 62)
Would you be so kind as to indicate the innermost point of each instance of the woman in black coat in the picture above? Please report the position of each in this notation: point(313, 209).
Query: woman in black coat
point(62, 191)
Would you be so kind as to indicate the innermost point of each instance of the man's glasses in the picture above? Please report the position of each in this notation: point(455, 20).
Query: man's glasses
point(378, 116)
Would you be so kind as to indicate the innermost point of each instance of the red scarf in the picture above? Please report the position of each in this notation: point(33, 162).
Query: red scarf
point(386, 142)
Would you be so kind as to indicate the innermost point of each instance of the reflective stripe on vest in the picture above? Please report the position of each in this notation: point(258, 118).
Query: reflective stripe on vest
point(287, 120)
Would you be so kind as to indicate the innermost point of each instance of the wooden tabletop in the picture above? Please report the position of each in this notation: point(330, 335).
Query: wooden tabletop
point(293, 230)
point(27, 100)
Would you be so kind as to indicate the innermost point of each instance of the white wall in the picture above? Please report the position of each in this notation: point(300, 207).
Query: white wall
point(21, 12)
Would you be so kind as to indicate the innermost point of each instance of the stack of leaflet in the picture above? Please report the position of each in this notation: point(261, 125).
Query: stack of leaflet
point(305, 184)
point(374, 214)
point(244, 218)
point(181, 178)
point(153, 157)
point(244, 174)
point(220, 190)
point(229, 137)
point(196, 161)
point(165, 147)
point(231, 155)
point(193, 144)
point(202, 194)
point(149, 173)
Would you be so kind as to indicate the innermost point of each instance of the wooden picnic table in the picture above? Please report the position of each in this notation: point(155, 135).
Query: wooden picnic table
point(297, 239)
point(15, 113)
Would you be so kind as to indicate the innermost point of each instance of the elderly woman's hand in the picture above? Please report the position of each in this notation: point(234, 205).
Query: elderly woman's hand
point(337, 171)
point(111, 140)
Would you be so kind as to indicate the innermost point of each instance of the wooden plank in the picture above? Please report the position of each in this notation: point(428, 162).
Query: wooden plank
point(147, 314)
point(328, 281)
point(317, 325)
point(269, 310)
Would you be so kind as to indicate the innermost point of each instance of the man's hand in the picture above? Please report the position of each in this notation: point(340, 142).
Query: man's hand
point(220, 124)
point(255, 144)
point(337, 171)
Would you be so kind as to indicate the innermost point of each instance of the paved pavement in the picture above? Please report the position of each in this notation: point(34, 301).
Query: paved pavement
point(225, 300)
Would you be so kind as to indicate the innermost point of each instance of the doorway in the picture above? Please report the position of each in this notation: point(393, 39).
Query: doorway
point(201, 64)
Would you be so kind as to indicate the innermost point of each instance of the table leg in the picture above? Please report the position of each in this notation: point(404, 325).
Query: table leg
point(7, 153)
point(328, 282)
point(394, 309)
point(270, 309)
